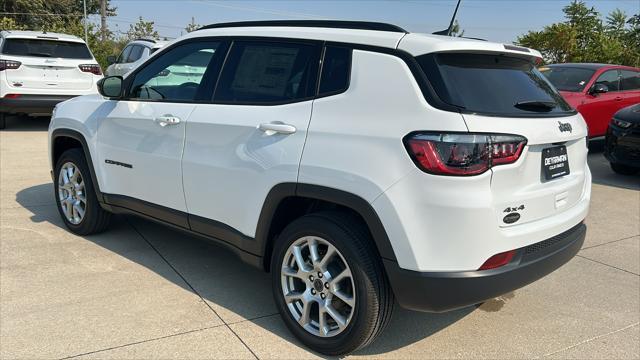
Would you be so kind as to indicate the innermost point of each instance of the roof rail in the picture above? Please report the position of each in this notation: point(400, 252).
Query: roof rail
point(145, 39)
point(335, 24)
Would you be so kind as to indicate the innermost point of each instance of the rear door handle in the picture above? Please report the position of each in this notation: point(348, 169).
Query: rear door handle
point(165, 120)
point(277, 127)
point(618, 98)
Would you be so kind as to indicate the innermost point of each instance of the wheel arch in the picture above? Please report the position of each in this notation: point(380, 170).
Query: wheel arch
point(65, 139)
point(289, 201)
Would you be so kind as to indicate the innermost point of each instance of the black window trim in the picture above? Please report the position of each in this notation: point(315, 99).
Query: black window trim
point(335, 92)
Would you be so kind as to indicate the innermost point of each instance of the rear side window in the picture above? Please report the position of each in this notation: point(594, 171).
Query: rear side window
point(568, 78)
point(492, 85)
point(268, 73)
point(611, 79)
point(46, 48)
point(629, 80)
point(336, 70)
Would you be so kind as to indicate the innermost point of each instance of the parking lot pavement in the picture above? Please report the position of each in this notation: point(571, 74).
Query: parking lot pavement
point(141, 290)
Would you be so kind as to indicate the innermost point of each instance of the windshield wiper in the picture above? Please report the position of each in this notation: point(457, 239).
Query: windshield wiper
point(535, 105)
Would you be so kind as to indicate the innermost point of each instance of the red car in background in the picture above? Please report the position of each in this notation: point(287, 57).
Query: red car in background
point(597, 91)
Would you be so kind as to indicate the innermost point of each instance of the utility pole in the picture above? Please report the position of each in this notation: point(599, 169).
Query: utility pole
point(103, 19)
point(86, 30)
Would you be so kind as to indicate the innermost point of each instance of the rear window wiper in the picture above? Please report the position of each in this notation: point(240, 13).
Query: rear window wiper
point(536, 105)
point(39, 54)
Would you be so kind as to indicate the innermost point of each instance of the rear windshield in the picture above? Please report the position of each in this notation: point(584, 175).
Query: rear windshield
point(568, 78)
point(46, 48)
point(492, 85)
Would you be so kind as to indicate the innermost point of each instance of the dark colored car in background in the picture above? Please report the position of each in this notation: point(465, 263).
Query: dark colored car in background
point(622, 142)
point(597, 91)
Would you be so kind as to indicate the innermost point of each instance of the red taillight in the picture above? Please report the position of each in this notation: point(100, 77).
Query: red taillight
point(498, 260)
point(9, 65)
point(12, 96)
point(463, 154)
point(91, 68)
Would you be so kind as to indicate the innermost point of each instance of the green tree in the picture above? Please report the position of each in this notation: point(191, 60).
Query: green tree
point(585, 37)
point(40, 14)
point(455, 29)
point(192, 26)
point(142, 29)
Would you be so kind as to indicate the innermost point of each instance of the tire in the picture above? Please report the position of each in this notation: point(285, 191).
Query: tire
point(624, 169)
point(3, 121)
point(367, 288)
point(94, 218)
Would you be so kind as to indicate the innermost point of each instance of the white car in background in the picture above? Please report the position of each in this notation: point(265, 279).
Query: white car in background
point(134, 54)
point(38, 70)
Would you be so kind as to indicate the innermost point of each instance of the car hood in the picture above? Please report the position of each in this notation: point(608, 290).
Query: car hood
point(573, 98)
point(629, 114)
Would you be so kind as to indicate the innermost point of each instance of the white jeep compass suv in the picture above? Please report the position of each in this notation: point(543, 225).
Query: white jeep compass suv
point(39, 70)
point(355, 161)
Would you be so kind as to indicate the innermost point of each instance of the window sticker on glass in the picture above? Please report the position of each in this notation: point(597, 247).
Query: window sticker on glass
point(264, 70)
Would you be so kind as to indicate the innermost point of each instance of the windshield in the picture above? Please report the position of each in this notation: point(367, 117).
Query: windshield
point(46, 48)
point(567, 78)
point(492, 85)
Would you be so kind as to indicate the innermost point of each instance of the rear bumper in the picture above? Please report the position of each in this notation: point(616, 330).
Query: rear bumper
point(443, 291)
point(32, 104)
point(622, 146)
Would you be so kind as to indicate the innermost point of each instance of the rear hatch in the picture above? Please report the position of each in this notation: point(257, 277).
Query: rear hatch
point(48, 64)
point(504, 94)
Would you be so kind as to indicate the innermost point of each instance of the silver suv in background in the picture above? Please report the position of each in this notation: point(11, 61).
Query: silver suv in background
point(39, 69)
point(132, 55)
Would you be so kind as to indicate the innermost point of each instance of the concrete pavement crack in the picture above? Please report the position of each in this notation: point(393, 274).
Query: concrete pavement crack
point(142, 341)
point(591, 339)
point(611, 266)
point(190, 287)
point(609, 242)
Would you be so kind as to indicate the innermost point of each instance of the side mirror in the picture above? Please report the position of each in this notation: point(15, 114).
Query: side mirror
point(599, 89)
point(111, 59)
point(110, 87)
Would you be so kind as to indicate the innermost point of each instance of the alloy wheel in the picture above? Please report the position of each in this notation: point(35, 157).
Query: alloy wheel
point(318, 286)
point(71, 193)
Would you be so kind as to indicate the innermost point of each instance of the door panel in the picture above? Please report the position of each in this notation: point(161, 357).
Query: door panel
point(598, 109)
point(141, 140)
point(230, 165)
point(238, 151)
point(139, 157)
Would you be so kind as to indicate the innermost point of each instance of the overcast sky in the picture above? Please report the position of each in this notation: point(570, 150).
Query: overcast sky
point(495, 20)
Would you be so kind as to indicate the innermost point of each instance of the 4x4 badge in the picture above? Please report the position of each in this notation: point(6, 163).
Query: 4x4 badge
point(564, 127)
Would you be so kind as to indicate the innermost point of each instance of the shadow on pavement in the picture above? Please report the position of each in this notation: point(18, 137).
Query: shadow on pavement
point(235, 290)
point(27, 123)
point(602, 173)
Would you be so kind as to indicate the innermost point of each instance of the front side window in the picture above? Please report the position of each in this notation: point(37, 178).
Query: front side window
point(611, 79)
point(46, 48)
point(268, 72)
point(492, 85)
point(124, 55)
point(629, 80)
point(135, 54)
point(567, 78)
point(336, 70)
point(177, 75)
